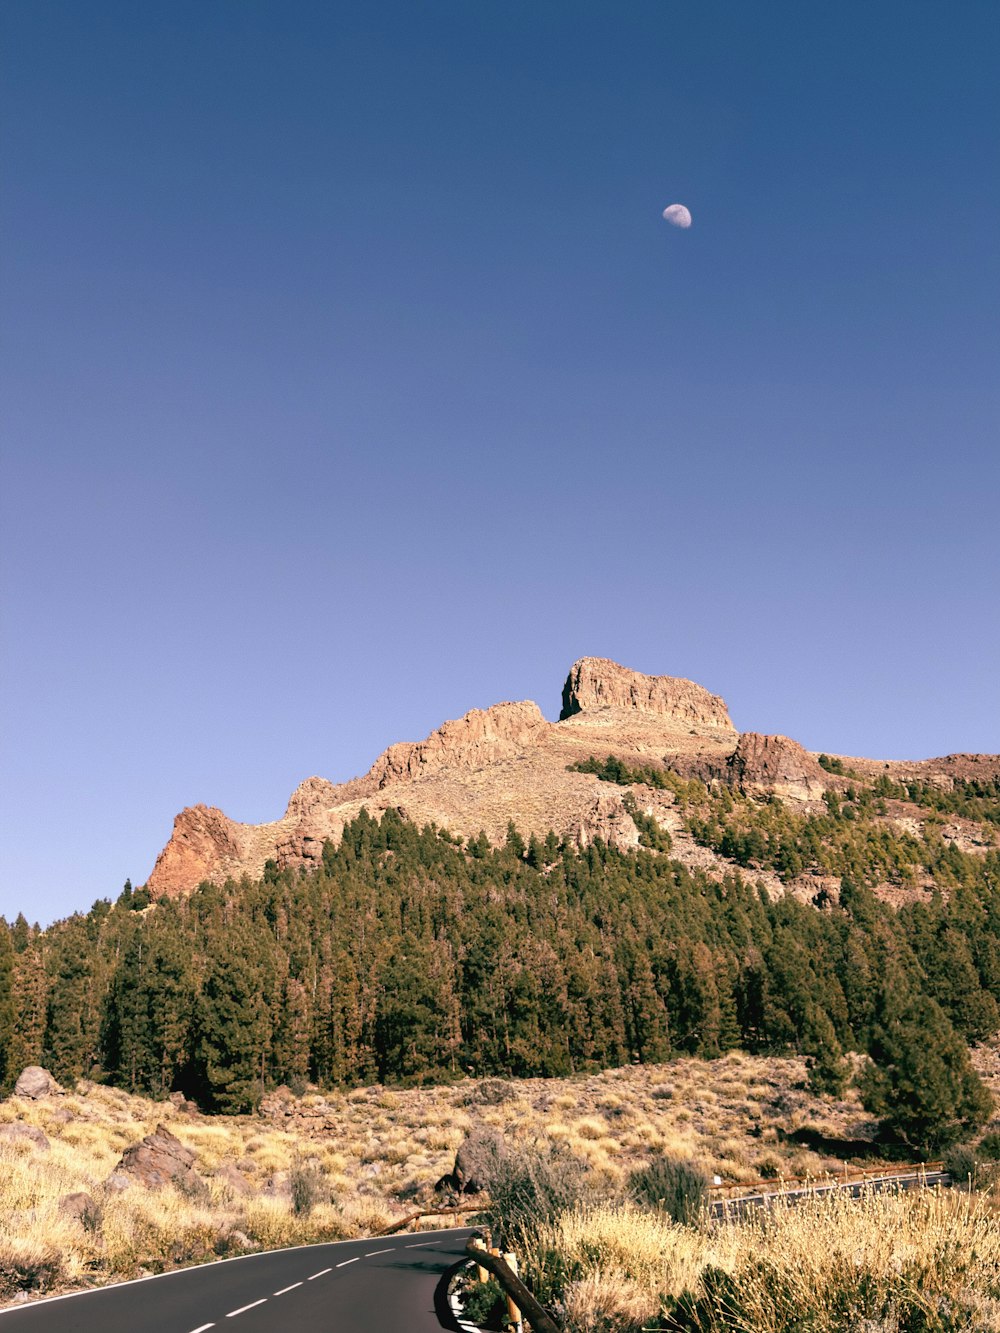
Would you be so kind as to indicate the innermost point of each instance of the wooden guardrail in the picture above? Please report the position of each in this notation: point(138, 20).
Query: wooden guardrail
point(446, 1211)
point(514, 1289)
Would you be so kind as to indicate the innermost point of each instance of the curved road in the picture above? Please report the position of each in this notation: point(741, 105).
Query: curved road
point(391, 1285)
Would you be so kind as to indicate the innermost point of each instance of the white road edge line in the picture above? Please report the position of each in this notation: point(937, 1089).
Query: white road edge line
point(348, 1261)
point(243, 1308)
point(277, 1293)
point(180, 1272)
point(319, 1274)
point(372, 1253)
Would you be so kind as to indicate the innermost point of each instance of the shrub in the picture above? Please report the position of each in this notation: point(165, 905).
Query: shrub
point(29, 1265)
point(491, 1092)
point(306, 1184)
point(969, 1170)
point(480, 1301)
point(989, 1146)
point(672, 1186)
point(533, 1185)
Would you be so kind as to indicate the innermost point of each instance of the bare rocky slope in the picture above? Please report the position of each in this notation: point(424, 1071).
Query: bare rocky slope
point(508, 763)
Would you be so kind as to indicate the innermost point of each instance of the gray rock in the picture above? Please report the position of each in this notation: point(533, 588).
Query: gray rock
point(117, 1182)
point(82, 1207)
point(158, 1159)
point(35, 1082)
point(234, 1180)
point(30, 1132)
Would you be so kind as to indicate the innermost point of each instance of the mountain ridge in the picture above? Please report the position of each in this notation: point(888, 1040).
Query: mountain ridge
point(508, 764)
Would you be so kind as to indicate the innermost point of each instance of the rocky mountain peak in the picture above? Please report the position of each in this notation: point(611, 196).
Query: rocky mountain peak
point(481, 736)
point(597, 682)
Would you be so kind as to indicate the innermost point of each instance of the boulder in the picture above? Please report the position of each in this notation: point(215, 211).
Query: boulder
point(477, 1160)
point(35, 1082)
point(11, 1133)
point(81, 1206)
point(234, 1180)
point(277, 1186)
point(158, 1159)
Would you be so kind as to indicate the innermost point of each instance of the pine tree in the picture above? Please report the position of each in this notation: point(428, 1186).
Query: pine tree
point(827, 1069)
point(73, 1019)
point(7, 1012)
point(922, 1082)
point(234, 1026)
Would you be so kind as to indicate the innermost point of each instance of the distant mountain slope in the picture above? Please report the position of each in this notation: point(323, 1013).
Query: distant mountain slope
point(508, 764)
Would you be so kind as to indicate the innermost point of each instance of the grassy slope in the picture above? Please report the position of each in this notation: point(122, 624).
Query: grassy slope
point(377, 1151)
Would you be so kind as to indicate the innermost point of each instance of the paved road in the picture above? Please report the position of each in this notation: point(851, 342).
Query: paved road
point(392, 1285)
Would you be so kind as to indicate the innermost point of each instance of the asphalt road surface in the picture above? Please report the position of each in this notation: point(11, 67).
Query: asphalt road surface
point(391, 1285)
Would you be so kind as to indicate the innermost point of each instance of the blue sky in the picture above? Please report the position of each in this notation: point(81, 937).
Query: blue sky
point(352, 380)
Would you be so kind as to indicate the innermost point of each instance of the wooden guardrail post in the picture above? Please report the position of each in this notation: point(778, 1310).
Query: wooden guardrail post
point(535, 1313)
point(481, 1273)
point(513, 1312)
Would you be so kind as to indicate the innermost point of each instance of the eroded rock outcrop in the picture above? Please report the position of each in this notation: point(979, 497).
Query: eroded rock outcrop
point(774, 764)
point(481, 737)
point(159, 1159)
point(508, 763)
point(205, 844)
point(608, 820)
point(597, 682)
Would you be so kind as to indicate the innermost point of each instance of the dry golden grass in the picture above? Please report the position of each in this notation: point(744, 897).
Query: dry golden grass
point(379, 1152)
point(883, 1264)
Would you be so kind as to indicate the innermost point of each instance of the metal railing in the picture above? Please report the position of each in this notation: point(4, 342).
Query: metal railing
point(849, 1176)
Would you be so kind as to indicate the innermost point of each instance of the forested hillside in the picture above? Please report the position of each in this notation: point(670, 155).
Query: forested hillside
point(409, 956)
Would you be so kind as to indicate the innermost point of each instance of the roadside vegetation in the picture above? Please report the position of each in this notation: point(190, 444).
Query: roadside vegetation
point(342, 1164)
point(653, 1257)
point(409, 957)
point(926, 1262)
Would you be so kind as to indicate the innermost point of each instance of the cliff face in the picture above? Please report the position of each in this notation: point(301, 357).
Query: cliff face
point(596, 682)
point(507, 763)
point(761, 764)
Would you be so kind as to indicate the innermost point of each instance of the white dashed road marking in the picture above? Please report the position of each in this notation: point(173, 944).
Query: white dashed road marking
point(422, 1246)
point(202, 1327)
point(319, 1274)
point(253, 1304)
point(372, 1253)
point(349, 1261)
point(277, 1293)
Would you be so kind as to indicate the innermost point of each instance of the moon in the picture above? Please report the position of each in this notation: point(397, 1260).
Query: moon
point(677, 215)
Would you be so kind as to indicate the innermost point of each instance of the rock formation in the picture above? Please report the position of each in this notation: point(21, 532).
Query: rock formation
point(26, 1133)
point(35, 1082)
point(596, 682)
point(608, 820)
point(158, 1159)
point(774, 764)
point(507, 763)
